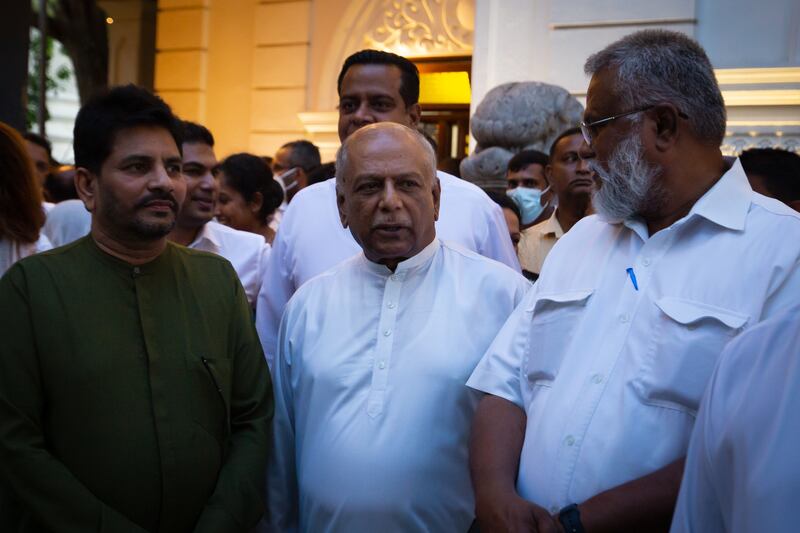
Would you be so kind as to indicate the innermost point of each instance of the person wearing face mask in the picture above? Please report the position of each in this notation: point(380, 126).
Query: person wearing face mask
point(569, 178)
point(291, 166)
point(527, 186)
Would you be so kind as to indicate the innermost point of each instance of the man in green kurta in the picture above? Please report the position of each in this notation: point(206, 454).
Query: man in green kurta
point(134, 395)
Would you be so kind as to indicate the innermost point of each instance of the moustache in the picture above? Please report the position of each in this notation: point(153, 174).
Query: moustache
point(158, 197)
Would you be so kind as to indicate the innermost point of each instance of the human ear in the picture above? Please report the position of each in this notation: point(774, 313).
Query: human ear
point(414, 114)
point(341, 204)
point(437, 196)
point(665, 119)
point(256, 203)
point(86, 187)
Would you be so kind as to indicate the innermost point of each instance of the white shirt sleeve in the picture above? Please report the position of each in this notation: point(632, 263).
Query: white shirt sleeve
point(698, 507)
point(497, 245)
point(282, 505)
point(277, 287)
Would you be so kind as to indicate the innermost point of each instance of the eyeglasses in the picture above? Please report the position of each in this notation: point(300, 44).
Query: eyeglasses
point(590, 129)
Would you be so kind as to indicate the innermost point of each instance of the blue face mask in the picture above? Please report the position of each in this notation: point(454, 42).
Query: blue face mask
point(529, 202)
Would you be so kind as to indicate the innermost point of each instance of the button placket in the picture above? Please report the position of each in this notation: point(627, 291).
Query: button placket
point(383, 345)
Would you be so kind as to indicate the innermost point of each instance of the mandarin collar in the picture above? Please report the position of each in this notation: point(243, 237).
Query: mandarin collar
point(421, 260)
point(121, 266)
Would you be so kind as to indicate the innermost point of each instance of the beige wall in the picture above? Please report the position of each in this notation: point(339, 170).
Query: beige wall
point(237, 66)
point(260, 73)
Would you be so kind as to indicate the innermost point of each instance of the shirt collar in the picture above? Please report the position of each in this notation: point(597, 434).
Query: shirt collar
point(551, 226)
point(208, 235)
point(405, 267)
point(728, 201)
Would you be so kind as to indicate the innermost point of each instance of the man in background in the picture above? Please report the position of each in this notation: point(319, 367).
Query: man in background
point(570, 179)
point(195, 228)
point(527, 185)
point(774, 173)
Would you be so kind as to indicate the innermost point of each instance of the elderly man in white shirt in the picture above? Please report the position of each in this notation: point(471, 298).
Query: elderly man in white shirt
point(594, 383)
point(372, 413)
point(743, 470)
point(247, 252)
point(374, 86)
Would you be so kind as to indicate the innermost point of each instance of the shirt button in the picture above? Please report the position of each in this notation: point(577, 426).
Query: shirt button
point(597, 379)
point(624, 318)
point(387, 333)
point(570, 440)
point(393, 277)
point(382, 365)
point(136, 270)
point(646, 261)
point(554, 509)
point(391, 305)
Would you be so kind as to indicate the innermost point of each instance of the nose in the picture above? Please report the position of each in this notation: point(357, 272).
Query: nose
point(389, 199)
point(585, 153)
point(363, 115)
point(160, 179)
point(207, 182)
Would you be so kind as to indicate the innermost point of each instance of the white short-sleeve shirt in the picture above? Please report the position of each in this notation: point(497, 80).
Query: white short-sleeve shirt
point(611, 373)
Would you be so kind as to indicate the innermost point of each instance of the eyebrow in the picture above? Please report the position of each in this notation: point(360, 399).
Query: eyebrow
point(383, 176)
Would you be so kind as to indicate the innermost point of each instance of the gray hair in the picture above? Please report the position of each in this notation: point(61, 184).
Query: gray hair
point(657, 66)
point(342, 155)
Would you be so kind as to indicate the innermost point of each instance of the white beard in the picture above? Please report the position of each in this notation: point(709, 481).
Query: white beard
point(629, 186)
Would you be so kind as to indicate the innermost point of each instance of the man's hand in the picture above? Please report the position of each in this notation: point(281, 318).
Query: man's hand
point(508, 513)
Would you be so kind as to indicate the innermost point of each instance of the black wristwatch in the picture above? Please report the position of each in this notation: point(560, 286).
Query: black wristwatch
point(570, 518)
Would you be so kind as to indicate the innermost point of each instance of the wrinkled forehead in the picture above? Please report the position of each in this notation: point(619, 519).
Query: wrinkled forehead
point(602, 96)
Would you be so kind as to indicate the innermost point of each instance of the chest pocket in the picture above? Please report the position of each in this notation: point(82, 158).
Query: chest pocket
point(686, 343)
point(555, 318)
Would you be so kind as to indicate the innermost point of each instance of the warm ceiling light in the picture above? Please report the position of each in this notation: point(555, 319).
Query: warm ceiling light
point(109, 20)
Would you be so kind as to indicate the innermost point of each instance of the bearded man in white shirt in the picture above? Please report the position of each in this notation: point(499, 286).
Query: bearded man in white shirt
point(247, 252)
point(594, 382)
point(373, 415)
point(374, 86)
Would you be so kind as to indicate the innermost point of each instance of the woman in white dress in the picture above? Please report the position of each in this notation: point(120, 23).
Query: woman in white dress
point(21, 213)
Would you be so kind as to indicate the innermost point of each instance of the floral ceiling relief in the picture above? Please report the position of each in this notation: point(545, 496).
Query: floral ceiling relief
point(422, 27)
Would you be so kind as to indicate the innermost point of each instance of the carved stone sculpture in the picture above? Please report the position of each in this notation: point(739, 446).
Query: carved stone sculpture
point(513, 117)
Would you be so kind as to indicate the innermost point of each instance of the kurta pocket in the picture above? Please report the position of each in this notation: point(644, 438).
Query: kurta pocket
point(687, 341)
point(211, 394)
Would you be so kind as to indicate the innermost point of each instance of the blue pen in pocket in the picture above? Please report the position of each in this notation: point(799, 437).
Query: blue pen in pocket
point(633, 277)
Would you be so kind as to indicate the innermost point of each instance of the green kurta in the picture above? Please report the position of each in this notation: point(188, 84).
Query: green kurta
point(131, 398)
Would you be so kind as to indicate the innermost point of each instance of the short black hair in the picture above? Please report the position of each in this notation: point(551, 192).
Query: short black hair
point(196, 133)
point(40, 140)
point(506, 202)
point(111, 111)
point(779, 168)
point(324, 172)
point(525, 158)
point(566, 133)
point(249, 174)
point(304, 154)
point(409, 86)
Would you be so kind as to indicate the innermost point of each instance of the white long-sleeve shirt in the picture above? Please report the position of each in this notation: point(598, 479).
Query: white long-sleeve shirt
point(743, 467)
point(372, 414)
point(311, 240)
point(611, 373)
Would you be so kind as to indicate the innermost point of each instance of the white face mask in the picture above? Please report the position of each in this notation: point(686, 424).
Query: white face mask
point(288, 179)
point(529, 202)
